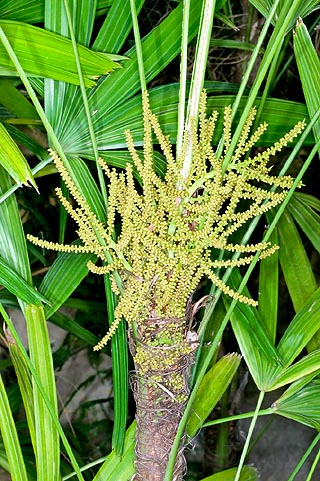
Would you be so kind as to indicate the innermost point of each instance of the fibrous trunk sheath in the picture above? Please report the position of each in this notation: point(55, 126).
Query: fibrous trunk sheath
point(163, 356)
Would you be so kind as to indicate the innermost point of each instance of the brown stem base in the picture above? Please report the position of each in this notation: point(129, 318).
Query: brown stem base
point(160, 387)
point(157, 424)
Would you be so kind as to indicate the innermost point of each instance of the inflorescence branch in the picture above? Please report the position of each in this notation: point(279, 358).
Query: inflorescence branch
point(171, 228)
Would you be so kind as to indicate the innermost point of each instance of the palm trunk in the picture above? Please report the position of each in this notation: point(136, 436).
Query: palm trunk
point(163, 356)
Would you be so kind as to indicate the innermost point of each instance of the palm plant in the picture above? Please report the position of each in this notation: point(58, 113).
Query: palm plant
point(85, 125)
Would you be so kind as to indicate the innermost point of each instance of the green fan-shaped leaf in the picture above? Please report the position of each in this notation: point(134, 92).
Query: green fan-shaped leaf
point(252, 324)
point(260, 369)
point(73, 327)
point(301, 329)
point(159, 48)
point(304, 215)
point(25, 385)
point(232, 44)
point(309, 71)
point(280, 115)
point(3, 458)
point(44, 388)
point(308, 365)
point(45, 54)
point(60, 98)
point(302, 406)
point(32, 11)
point(302, 9)
point(213, 385)
point(119, 350)
point(47, 451)
point(119, 468)
point(268, 290)
point(13, 281)
point(12, 159)
point(10, 438)
point(116, 26)
point(248, 473)
point(15, 102)
point(13, 248)
point(302, 209)
point(268, 375)
point(28, 11)
point(24, 139)
point(294, 262)
point(296, 386)
point(63, 277)
point(308, 199)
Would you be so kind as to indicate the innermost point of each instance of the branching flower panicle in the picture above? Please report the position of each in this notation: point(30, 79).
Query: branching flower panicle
point(170, 227)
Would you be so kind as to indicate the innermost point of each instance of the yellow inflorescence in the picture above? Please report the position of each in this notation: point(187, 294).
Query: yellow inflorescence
point(169, 227)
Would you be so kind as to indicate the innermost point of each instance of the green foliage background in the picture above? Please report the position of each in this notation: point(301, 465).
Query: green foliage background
point(41, 105)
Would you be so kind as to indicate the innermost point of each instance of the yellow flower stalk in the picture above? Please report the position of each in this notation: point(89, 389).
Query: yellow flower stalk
point(170, 227)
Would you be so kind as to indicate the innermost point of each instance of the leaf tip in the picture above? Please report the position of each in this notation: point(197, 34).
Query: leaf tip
point(30, 182)
point(299, 23)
